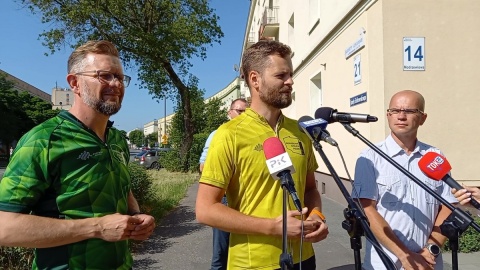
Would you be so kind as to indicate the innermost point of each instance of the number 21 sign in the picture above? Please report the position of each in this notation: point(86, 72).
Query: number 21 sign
point(413, 53)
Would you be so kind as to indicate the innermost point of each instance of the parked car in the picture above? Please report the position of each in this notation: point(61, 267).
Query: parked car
point(150, 159)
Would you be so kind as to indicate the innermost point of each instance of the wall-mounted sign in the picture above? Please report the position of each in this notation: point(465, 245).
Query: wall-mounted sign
point(414, 53)
point(357, 45)
point(357, 71)
point(358, 99)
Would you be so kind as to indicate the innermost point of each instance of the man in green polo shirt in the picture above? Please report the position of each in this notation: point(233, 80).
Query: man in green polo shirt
point(67, 191)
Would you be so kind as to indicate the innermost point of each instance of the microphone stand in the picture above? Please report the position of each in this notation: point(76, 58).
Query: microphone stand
point(454, 225)
point(286, 260)
point(356, 223)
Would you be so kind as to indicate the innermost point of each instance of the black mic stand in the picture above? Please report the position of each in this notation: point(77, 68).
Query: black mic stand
point(286, 260)
point(356, 222)
point(453, 226)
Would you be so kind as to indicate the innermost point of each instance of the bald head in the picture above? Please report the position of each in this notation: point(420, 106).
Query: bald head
point(414, 96)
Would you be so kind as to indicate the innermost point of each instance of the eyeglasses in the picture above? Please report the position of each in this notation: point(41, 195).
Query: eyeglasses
point(238, 111)
point(406, 111)
point(106, 77)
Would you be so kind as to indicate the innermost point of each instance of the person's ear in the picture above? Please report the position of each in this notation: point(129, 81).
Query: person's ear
point(422, 120)
point(73, 83)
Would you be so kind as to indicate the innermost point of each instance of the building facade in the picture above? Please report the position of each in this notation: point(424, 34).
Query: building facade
point(62, 98)
point(353, 55)
point(22, 86)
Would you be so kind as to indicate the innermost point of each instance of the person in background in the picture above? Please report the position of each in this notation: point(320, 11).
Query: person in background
point(463, 195)
point(236, 165)
point(404, 217)
point(221, 238)
point(67, 190)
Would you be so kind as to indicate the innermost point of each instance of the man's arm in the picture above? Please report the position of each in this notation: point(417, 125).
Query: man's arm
point(385, 235)
point(314, 201)
point(210, 211)
point(23, 230)
point(144, 228)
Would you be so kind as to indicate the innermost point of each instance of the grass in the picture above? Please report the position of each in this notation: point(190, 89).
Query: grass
point(170, 188)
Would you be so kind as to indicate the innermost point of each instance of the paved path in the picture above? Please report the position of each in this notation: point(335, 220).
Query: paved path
point(179, 242)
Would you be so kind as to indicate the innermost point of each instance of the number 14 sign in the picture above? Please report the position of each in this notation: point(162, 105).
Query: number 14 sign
point(413, 53)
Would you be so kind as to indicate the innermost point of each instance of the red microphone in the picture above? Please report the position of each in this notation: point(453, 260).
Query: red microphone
point(437, 167)
point(280, 166)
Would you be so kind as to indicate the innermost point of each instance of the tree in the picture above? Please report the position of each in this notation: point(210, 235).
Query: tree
point(136, 137)
point(207, 117)
point(20, 112)
point(158, 36)
point(152, 138)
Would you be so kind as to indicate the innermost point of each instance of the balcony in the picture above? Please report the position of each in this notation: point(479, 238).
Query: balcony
point(252, 39)
point(270, 22)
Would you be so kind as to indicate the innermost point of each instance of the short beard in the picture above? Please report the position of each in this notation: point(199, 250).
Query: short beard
point(99, 105)
point(275, 99)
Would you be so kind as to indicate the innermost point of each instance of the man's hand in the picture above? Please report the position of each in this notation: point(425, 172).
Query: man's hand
point(144, 229)
point(417, 261)
point(117, 227)
point(294, 225)
point(320, 233)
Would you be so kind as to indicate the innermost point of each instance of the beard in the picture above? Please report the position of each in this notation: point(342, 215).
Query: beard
point(274, 98)
point(104, 107)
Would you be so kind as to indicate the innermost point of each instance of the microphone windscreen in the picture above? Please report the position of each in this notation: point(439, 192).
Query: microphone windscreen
point(273, 147)
point(303, 119)
point(434, 165)
point(325, 113)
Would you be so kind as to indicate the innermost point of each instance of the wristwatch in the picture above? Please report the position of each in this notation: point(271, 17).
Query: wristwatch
point(434, 249)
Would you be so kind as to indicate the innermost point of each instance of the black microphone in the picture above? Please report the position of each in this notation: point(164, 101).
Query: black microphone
point(332, 115)
point(315, 129)
point(280, 166)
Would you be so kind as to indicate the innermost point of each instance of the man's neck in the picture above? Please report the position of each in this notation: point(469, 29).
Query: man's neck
point(407, 143)
point(92, 119)
point(269, 113)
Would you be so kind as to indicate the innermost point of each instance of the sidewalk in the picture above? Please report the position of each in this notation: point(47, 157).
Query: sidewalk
point(179, 242)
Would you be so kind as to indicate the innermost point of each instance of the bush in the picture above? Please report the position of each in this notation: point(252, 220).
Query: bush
point(16, 258)
point(469, 241)
point(172, 162)
point(142, 186)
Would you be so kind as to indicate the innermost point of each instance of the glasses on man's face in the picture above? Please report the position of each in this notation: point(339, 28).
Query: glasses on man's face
point(406, 111)
point(238, 111)
point(106, 77)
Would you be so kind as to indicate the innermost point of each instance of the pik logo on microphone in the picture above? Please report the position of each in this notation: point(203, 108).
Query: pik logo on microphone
point(279, 163)
point(435, 164)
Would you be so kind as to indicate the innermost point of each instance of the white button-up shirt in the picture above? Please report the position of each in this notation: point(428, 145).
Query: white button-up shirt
point(408, 208)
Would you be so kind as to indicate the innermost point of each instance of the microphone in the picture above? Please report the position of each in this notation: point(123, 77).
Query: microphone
point(315, 129)
point(437, 167)
point(280, 166)
point(332, 115)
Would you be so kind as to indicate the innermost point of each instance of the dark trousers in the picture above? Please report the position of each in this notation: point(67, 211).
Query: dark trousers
point(220, 247)
point(308, 264)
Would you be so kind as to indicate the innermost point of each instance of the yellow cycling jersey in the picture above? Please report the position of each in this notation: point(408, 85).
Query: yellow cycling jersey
point(236, 163)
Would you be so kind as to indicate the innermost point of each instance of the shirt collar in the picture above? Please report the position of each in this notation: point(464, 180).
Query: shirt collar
point(393, 149)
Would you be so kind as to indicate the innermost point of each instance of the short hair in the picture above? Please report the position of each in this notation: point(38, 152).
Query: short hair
point(256, 58)
point(238, 99)
point(76, 60)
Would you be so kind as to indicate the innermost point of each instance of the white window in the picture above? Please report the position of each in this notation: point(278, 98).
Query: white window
point(315, 92)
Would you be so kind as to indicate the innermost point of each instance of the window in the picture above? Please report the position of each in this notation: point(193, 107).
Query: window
point(316, 92)
point(291, 32)
point(314, 16)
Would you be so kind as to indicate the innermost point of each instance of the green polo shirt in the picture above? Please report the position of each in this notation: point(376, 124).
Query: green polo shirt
point(61, 169)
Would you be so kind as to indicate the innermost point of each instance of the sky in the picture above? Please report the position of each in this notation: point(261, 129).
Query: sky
point(23, 56)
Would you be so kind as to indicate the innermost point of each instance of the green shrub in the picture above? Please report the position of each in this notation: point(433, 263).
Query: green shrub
point(16, 258)
point(469, 241)
point(142, 184)
point(172, 162)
